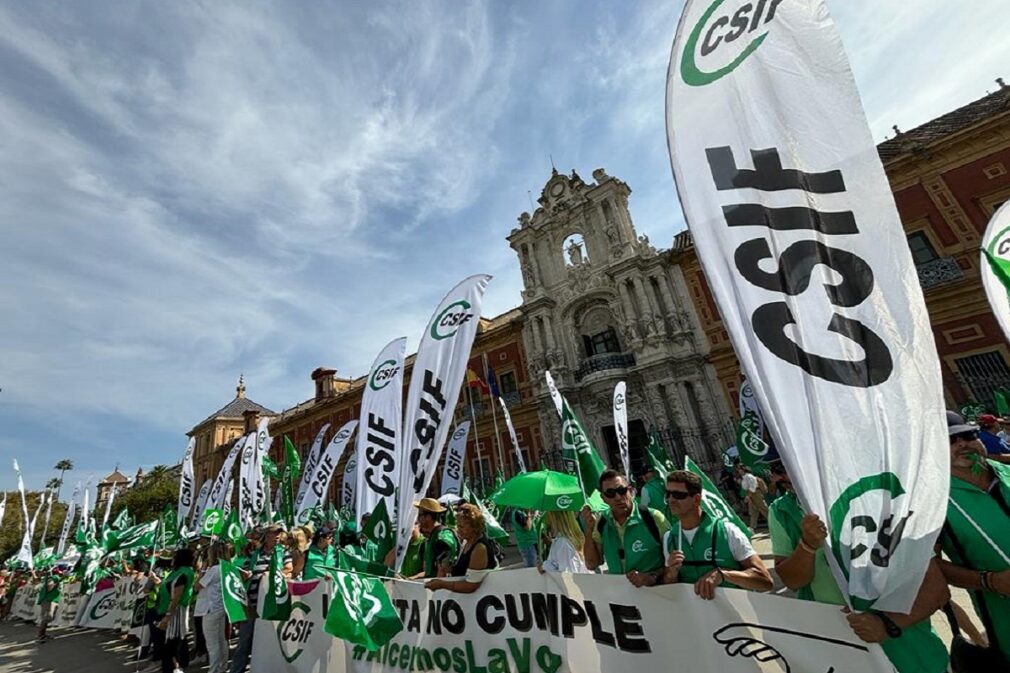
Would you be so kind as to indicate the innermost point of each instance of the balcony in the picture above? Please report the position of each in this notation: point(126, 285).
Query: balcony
point(938, 271)
point(604, 362)
point(512, 398)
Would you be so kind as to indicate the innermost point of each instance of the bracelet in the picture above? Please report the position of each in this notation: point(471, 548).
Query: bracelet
point(807, 548)
point(983, 579)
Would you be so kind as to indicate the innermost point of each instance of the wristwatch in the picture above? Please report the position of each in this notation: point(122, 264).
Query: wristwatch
point(893, 630)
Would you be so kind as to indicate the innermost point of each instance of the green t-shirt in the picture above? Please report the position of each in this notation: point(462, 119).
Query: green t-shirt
point(315, 558)
point(982, 527)
point(412, 558)
point(917, 650)
point(524, 538)
point(656, 488)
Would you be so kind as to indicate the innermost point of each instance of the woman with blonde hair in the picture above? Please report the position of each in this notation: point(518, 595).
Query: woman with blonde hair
point(298, 543)
point(568, 538)
point(477, 554)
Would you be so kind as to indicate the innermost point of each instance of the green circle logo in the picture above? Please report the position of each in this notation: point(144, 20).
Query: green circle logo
point(448, 322)
point(717, 31)
point(383, 374)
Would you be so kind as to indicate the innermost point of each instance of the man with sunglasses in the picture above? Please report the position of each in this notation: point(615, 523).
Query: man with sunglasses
point(800, 561)
point(976, 535)
point(627, 537)
point(706, 551)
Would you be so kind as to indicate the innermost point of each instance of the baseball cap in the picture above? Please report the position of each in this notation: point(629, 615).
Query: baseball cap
point(956, 424)
point(986, 419)
point(429, 505)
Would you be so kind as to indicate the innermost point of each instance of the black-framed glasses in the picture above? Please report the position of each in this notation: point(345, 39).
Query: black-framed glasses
point(677, 495)
point(968, 436)
point(614, 492)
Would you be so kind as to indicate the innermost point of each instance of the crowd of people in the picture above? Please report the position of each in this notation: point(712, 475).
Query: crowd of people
point(659, 534)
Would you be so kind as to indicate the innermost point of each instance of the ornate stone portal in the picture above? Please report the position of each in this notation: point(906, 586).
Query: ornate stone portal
point(615, 310)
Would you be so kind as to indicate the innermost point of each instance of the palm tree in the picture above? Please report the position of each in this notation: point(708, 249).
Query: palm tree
point(63, 466)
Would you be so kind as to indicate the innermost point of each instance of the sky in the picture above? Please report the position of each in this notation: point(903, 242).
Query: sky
point(194, 190)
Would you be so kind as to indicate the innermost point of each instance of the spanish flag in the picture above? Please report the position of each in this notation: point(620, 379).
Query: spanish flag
point(473, 381)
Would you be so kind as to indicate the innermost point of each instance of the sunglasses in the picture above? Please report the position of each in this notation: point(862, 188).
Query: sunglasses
point(614, 492)
point(677, 495)
point(968, 436)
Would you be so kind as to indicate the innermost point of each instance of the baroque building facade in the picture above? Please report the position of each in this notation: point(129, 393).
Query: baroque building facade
point(601, 305)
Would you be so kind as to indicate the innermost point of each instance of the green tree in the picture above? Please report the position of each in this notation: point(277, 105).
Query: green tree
point(146, 500)
point(63, 466)
point(12, 530)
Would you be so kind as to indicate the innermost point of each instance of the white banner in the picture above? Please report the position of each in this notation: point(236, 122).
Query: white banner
point(434, 388)
point(381, 436)
point(217, 491)
point(201, 505)
point(311, 460)
point(621, 425)
point(319, 484)
point(3, 508)
point(187, 484)
point(25, 552)
point(749, 405)
point(261, 495)
point(520, 620)
point(455, 455)
point(250, 481)
point(996, 260)
point(552, 388)
point(349, 483)
point(102, 610)
point(85, 505)
point(797, 232)
point(70, 598)
point(25, 602)
point(512, 433)
point(68, 521)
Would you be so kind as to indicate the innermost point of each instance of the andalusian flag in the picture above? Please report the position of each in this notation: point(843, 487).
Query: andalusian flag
point(233, 591)
point(361, 612)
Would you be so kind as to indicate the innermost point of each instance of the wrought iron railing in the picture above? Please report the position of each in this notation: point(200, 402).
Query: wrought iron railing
point(604, 362)
point(938, 271)
point(512, 398)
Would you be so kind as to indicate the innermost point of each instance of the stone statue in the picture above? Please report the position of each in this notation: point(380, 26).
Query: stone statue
point(528, 278)
point(612, 235)
point(575, 253)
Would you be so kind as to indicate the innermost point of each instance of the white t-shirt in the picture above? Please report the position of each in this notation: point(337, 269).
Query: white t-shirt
point(739, 546)
point(564, 558)
point(209, 600)
point(749, 482)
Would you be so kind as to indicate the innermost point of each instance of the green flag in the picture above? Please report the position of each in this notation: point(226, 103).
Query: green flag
point(379, 530)
point(170, 524)
point(277, 602)
point(141, 535)
point(361, 612)
point(233, 591)
point(658, 456)
point(712, 501)
point(232, 530)
point(289, 475)
point(348, 560)
point(751, 446)
point(213, 522)
point(122, 520)
point(578, 450)
point(492, 528)
point(971, 410)
point(1002, 406)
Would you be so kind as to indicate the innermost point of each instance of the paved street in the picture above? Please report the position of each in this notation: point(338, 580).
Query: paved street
point(89, 651)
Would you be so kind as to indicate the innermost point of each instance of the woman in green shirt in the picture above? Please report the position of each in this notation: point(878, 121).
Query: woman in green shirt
point(320, 553)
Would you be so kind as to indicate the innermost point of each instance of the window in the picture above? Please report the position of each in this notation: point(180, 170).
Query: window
point(922, 249)
point(983, 374)
point(482, 471)
point(604, 342)
point(507, 383)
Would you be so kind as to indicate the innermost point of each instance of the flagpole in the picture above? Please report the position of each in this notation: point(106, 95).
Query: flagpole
point(494, 416)
point(476, 433)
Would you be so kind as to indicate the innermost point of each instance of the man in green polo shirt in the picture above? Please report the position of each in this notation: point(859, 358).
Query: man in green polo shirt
point(628, 538)
point(976, 536)
point(49, 596)
point(798, 546)
point(705, 551)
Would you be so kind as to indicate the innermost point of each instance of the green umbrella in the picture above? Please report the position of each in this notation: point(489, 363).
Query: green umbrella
point(544, 490)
